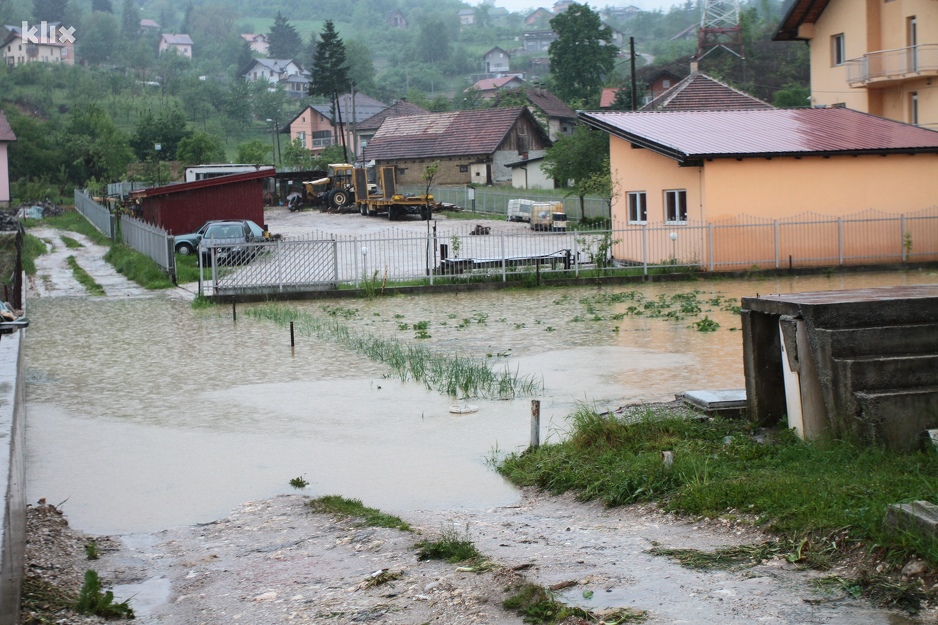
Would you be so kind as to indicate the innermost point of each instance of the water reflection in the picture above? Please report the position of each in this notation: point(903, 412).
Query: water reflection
point(144, 414)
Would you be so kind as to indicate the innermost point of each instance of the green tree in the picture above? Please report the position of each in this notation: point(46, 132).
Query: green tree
point(575, 160)
point(96, 43)
point(167, 129)
point(102, 5)
point(330, 69)
point(49, 10)
point(582, 55)
point(130, 20)
point(285, 42)
point(296, 155)
point(792, 96)
point(94, 146)
point(255, 152)
point(361, 69)
point(199, 148)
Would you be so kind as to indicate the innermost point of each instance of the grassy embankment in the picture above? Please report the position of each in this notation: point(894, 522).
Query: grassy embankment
point(824, 502)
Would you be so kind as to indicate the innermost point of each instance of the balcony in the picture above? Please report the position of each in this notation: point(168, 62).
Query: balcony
point(322, 143)
point(893, 65)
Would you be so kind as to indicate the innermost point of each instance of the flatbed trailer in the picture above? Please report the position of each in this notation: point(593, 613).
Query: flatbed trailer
point(387, 201)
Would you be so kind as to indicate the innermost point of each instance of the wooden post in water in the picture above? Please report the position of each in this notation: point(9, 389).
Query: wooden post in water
point(535, 424)
point(292, 341)
point(234, 311)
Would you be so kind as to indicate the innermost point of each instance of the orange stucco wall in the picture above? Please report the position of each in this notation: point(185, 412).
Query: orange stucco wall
point(871, 26)
point(757, 211)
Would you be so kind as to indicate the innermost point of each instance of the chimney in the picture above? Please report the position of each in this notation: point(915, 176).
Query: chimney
point(693, 65)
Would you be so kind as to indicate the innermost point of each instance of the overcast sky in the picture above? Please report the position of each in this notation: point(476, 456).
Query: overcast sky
point(647, 5)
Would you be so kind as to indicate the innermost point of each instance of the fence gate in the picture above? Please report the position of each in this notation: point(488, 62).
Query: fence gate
point(270, 267)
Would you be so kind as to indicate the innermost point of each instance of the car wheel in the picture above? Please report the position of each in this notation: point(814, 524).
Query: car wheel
point(184, 249)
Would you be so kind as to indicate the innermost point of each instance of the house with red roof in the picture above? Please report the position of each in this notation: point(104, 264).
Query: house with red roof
point(687, 169)
point(699, 92)
point(316, 129)
point(6, 138)
point(489, 87)
point(470, 146)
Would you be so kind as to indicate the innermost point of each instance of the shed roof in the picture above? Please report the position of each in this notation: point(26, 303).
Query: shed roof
point(263, 171)
point(457, 133)
point(694, 135)
point(699, 92)
point(401, 108)
point(487, 84)
point(364, 107)
point(6, 132)
point(550, 103)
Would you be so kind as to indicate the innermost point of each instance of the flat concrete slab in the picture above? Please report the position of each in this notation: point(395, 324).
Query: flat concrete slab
point(723, 401)
point(918, 515)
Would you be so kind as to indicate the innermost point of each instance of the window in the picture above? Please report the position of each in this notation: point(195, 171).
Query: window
point(675, 206)
point(463, 169)
point(301, 135)
point(638, 207)
point(913, 108)
point(838, 52)
point(666, 83)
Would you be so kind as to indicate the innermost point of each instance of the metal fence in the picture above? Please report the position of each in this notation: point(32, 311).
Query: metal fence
point(494, 200)
point(150, 241)
point(455, 253)
point(124, 188)
point(99, 216)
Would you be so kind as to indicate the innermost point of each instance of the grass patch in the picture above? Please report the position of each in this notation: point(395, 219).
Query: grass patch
point(72, 221)
point(299, 482)
point(538, 605)
point(92, 601)
point(451, 546)
point(70, 242)
point(187, 268)
point(138, 268)
point(84, 278)
point(91, 550)
point(739, 556)
point(33, 248)
point(452, 374)
point(41, 597)
point(823, 499)
point(371, 517)
point(469, 215)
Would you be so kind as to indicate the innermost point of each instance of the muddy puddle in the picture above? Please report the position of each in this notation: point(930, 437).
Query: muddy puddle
point(144, 414)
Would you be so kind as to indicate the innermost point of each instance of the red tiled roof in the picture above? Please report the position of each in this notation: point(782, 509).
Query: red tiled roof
point(549, 103)
point(608, 97)
point(699, 92)
point(694, 135)
point(800, 12)
point(458, 133)
point(487, 84)
point(6, 133)
point(402, 108)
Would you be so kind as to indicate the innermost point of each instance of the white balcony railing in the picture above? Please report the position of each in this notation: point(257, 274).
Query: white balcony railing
point(895, 64)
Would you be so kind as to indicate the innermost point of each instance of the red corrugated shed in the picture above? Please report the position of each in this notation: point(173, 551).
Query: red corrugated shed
point(182, 208)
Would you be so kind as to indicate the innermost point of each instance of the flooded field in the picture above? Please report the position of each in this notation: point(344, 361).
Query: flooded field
point(144, 414)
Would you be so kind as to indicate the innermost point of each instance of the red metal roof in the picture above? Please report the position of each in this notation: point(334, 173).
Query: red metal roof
point(692, 135)
point(699, 92)
point(6, 133)
point(182, 187)
point(607, 97)
point(457, 133)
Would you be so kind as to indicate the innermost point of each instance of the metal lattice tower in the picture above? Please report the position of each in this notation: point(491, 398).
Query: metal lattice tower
point(719, 27)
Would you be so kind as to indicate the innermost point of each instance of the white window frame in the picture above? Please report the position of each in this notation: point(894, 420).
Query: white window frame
point(675, 199)
point(838, 50)
point(637, 202)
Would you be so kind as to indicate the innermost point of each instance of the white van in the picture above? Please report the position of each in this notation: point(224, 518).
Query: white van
point(520, 210)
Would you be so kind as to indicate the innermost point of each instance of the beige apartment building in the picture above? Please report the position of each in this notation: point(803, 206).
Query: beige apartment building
point(874, 56)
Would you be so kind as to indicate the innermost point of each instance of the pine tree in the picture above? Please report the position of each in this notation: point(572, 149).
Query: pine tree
point(130, 20)
point(329, 68)
point(284, 41)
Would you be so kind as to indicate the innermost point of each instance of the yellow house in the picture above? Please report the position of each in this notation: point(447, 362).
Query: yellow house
point(875, 56)
point(718, 187)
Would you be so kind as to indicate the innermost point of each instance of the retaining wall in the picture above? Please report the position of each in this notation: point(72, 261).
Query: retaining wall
point(12, 475)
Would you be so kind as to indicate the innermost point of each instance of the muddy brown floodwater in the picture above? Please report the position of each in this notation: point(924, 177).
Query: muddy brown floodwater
point(145, 415)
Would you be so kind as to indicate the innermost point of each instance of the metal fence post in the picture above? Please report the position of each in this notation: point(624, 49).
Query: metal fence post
point(840, 239)
point(903, 252)
point(501, 241)
point(776, 243)
point(710, 232)
point(576, 258)
point(335, 260)
point(645, 250)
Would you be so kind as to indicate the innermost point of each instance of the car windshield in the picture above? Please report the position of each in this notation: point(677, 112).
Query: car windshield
point(225, 232)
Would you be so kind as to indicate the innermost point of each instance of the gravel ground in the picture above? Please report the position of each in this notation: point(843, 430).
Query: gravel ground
point(276, 561)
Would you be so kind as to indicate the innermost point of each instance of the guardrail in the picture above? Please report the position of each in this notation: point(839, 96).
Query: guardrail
point(893, 64)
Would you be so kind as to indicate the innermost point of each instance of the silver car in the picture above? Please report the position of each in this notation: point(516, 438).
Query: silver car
point(229, 242)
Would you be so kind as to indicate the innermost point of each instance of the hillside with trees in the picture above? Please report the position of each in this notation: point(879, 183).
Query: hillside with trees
point(92, 120)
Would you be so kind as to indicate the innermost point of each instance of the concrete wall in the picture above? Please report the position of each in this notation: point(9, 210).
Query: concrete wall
point(4, 176)
point(12, 475)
